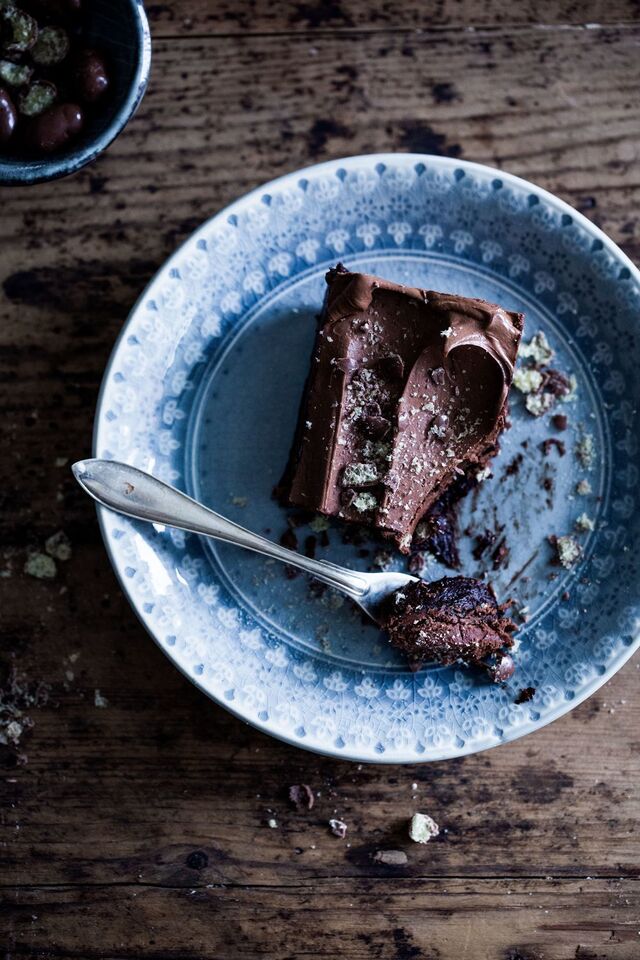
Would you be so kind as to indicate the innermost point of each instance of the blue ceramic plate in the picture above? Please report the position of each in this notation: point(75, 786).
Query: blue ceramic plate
point(203, 390)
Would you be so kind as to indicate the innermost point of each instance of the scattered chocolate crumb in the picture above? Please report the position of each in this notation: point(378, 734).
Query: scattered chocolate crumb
point(290, 572)
point(391, 858)
point(324, 539)
point(547, 445)
point(566, 595)
point(310, 547)
point(556, 382)
point(519, 573)
point(560, 421)
point(363, 552)
point(526, 694)
point(289, 540)
point(513, 468)
point(365, 619)
point(500, 555)
point(317, 589)
point(301, 796)
point(338, 828)
point(547, 484)
point(355, 535)
point(482, 542)
point(301, 518)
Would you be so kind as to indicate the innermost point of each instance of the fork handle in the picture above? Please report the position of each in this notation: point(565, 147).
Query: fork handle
point(135, 493)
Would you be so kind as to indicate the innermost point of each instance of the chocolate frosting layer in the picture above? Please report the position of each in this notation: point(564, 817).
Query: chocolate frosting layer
point(407, 391)
point(456, 618)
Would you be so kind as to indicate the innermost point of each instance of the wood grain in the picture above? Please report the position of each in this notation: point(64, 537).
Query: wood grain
point(519, 100)
point(409, 921)
point(262, 16)
point(76, 256)
point(121, 811)
point(162, 774)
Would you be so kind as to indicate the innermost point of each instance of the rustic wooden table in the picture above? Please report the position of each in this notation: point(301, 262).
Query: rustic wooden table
point(134, 810)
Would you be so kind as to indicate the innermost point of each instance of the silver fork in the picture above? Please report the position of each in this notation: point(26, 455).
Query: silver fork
point(138, 494)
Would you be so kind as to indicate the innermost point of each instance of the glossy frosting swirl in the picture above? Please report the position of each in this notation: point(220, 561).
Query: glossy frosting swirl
point(407, 391)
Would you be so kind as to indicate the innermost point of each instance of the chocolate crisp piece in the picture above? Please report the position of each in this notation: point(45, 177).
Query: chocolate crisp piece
point(560, 421)
point(525, 695)
point(407, 393)
point(482, 543)
point(289, 540)
point(301, 796)
point(500, 555)
point(547, 445)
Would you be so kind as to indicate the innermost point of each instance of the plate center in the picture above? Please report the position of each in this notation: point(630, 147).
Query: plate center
point(240, 433)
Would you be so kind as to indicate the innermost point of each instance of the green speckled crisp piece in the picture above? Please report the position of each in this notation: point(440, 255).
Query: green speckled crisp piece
point(15, 74)
point(51, 47)
point(41, 566)
point(422, 828)
point(22, 29)
point(359, 474)
point(37, 98)
point(58, 546)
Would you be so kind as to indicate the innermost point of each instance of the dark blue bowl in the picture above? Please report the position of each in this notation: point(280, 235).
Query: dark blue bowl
point(120, 29)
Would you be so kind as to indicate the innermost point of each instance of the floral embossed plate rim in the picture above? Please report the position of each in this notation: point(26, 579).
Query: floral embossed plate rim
point(354, 208)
